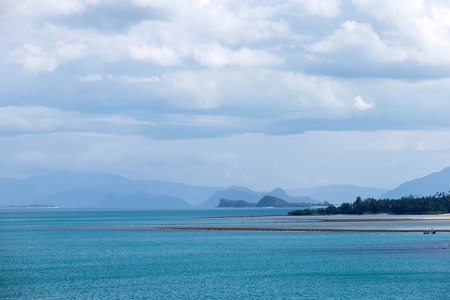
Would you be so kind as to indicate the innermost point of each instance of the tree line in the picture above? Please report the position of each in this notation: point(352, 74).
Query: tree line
point(437, 204)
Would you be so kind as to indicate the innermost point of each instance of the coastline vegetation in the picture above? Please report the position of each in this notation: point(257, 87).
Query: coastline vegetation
point(436, 204)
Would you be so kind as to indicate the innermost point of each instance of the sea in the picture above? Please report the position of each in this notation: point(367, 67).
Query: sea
point(179, 254)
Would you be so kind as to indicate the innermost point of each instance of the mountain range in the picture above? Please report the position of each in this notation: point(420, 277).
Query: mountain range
point(105, 190)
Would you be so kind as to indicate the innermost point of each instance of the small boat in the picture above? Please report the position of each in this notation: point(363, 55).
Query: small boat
point(430, 231)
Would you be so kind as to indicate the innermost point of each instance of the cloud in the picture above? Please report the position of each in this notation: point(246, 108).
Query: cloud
point(222, 34)
point(35, 59)
point(252, 92)
point(133, 79)
point(217, 56)
point(159, 55)
point(91, 77)
point(361, 105)
point(210, 38)
point(421, 28)
point(39, 119)
point(354, 42)
point(30, 8)
point(112, 17)
point(325, 8)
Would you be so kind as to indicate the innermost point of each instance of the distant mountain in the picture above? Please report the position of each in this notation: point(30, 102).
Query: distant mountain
point(235, 203)
point(73, 198)
point(336, 194)
point(81, 189)
point(425, 186)
point(280, 193)
point(239, 193)
point(141, 200)
point(93, 189)
point(272, 201)
point(266, 201)
point(231, 194)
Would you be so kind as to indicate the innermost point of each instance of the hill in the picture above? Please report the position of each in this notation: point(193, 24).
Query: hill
point(425, 186)
point(240, 193)
point(73, 198)
point(266, 201)
point(272, 201)
point(235, 193)
point(337, 194)
point(67, 189)
point(141, 200)
point(280, 193)
point(92, 189)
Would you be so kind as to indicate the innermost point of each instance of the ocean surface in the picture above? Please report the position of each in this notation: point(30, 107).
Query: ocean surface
point(130, 254)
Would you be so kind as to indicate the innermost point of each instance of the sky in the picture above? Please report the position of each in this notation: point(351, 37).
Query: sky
point(256, 93)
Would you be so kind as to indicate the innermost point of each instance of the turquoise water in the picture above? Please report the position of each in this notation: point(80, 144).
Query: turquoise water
point(44, 254)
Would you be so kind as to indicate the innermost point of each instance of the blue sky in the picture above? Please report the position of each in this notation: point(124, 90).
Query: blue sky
point(264, 94)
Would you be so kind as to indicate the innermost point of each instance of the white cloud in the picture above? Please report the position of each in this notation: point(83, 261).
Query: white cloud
point(217, 56)
point(192, 90)
point(325, 8)
point(361, 105)
point(253, 91)
point(91, 77)
point(159, 55)
point(133, 79)
point(71, 51)
point(26, 118)
point(421, 28)
point(210, 38)
point(229, 22)
point(38, 119)
point(35, 59)
point(357, 41)
point(31, 8)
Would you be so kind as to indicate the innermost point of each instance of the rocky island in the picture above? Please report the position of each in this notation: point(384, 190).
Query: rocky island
point(266, 201)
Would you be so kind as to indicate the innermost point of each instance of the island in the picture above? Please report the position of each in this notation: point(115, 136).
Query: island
point(266, 201)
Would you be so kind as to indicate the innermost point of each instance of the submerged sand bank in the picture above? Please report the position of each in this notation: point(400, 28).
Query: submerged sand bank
point(335, 223)
point(341, 218)
point(296, 229)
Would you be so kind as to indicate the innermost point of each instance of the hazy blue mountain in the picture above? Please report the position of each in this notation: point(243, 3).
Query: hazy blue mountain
point(41, 188)
point(74, 198)
point(9, 188)
point(192, 194)
point(266, 201)
point(280, 193)
point(92, 189)
point(240, 193)
point(235, 193)
point(141, 200)
point(336, 194)
point(429, 185)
